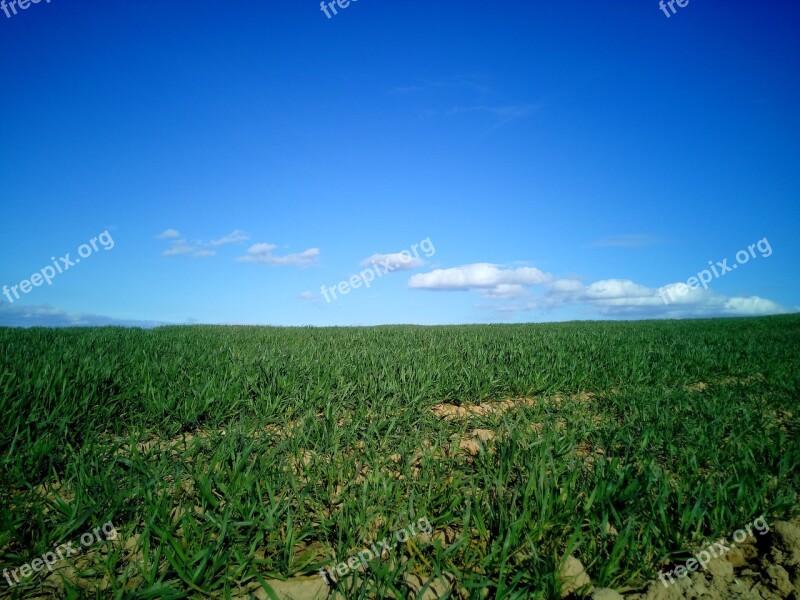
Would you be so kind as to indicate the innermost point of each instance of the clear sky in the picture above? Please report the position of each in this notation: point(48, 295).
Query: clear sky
point(551, 161)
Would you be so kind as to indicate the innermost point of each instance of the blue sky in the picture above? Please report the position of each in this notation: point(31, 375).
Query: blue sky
point(562, 160)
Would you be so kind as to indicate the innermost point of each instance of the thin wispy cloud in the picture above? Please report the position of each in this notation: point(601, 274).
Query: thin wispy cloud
point(180, 246)
point(232, 238)
point(636, 240)
point(503, 114)
point(396, 261)
point(453, 83)
point(466, 95)
point(309, 297)
point(168, 234)
point(44, 315)
point(263, 254)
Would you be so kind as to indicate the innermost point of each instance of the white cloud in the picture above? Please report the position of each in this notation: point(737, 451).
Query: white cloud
point(624, 298)
point(606, 297)
point(261, 248)
point(182, 248)
point(566, 285)
point(506, 291)
point(309, 297)
point(179, 246)
point(232, 238)
point(203, 253)
point(754, 306)
point(492, 280)
point(613, 289)
point(262, 254)
point(168, 234)
point(398, 261)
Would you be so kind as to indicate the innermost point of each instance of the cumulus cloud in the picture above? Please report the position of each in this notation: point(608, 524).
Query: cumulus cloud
point(754, 306)
point(625, 298)
point(615, 289)
point(606, 297)
point(262, 254)
point(487, 277)
point(506, 291)
point(565, 285)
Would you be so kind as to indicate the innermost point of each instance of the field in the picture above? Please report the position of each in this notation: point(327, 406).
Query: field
point(230, 458)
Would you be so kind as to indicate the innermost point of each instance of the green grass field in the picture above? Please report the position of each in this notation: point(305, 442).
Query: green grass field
point(228, 457)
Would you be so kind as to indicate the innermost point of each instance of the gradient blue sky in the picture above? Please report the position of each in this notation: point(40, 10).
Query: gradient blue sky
point(565, 159)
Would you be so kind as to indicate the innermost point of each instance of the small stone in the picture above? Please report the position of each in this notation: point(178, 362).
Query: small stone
point(787, 539)
point(721, 568)
point(573, 577)
point(610, 530)
point(300, 588)
point(736, 557)
point(437, 587)
point(779, 579)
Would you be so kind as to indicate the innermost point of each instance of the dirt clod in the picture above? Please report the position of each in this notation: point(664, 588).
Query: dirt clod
point(766, 568)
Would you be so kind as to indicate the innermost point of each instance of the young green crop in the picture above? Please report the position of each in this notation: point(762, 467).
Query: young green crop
point(231, 456)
